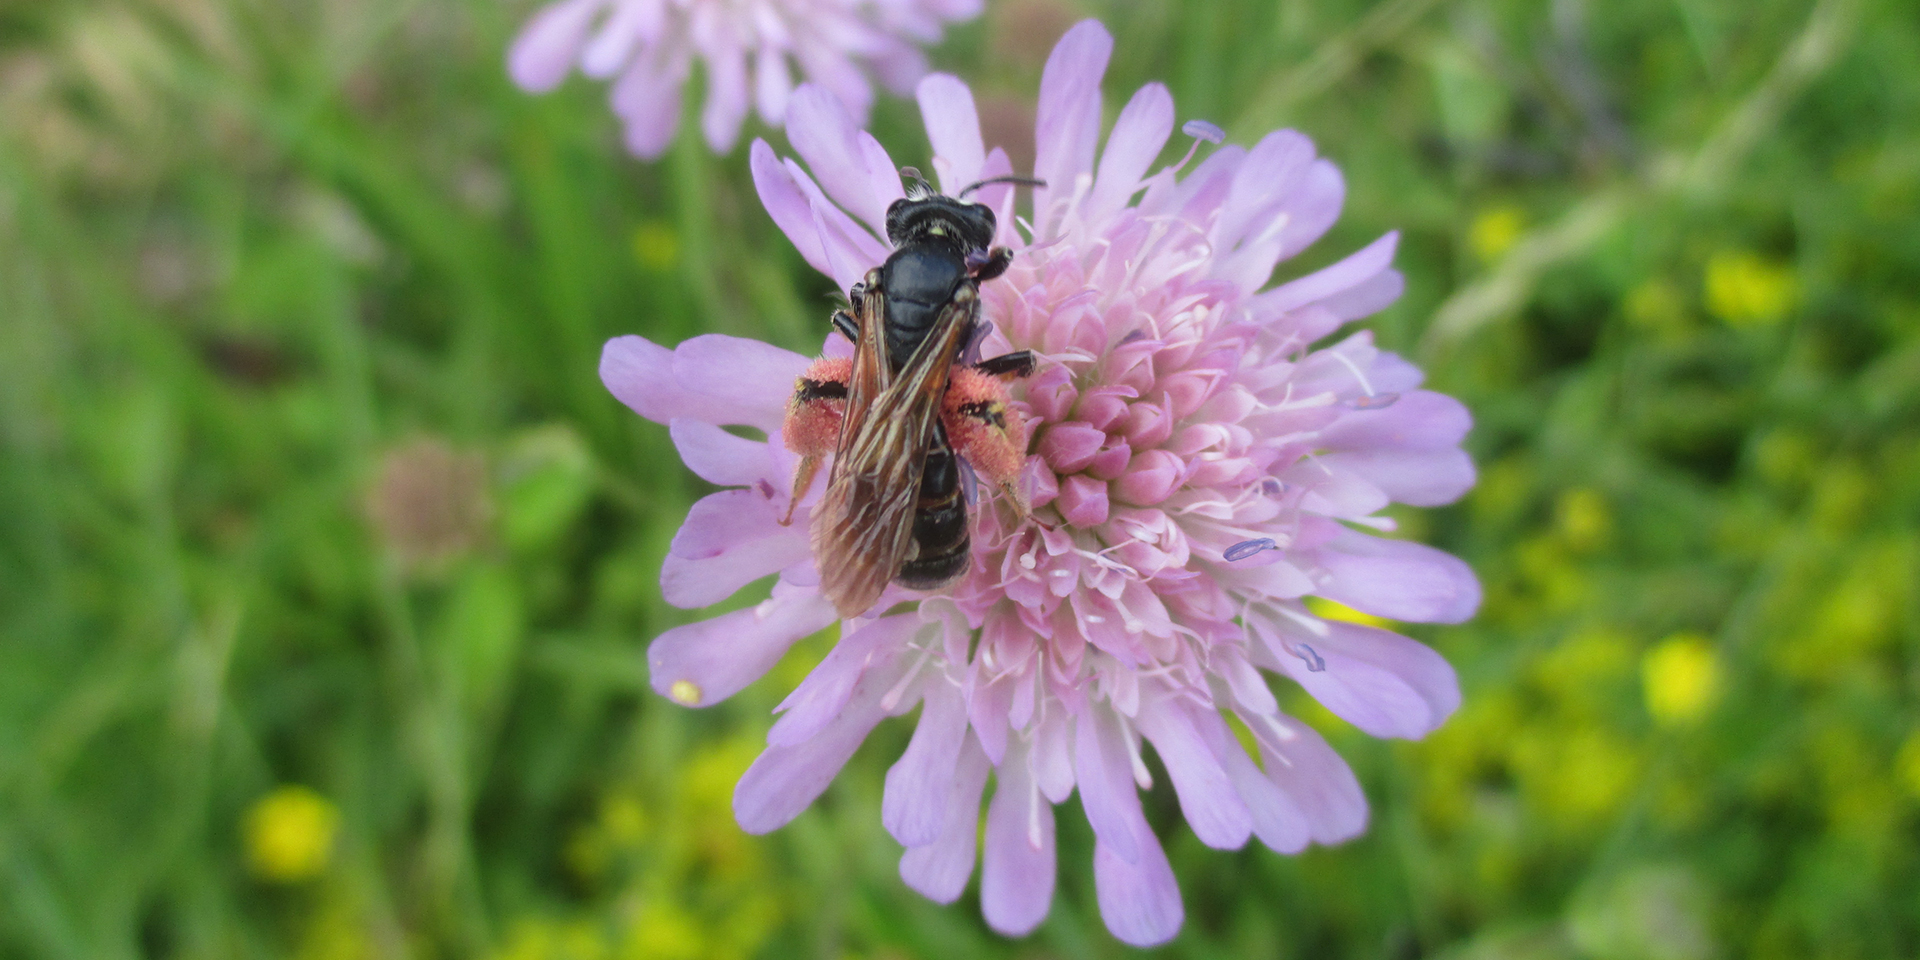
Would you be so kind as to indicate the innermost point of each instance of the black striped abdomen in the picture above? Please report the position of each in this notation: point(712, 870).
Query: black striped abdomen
point(941, 543)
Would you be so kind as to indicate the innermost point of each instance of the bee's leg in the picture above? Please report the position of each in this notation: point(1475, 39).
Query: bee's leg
point(812, 427)
point(1008, 366)
point(997, 262)
point(985, 431)
point(847, 325)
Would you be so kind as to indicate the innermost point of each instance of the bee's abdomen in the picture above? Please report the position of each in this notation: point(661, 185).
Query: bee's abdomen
point(941, 543)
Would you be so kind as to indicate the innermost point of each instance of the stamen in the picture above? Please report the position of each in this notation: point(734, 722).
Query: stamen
point(1378, 401)
point(1357, 375)
point(1035, 835)
point(893, 697)
point(1312, 658)
point(1314, 625)
point(1140, 775)
point(1247, 548)
point(1203, 130)
point(1199, 130)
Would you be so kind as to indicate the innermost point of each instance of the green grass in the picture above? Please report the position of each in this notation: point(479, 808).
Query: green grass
point(253, 253)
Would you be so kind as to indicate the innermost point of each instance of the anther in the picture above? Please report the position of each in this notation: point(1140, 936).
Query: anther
point(1203, 130)
point(1378, 401)
point(1312, 658)
point(1247, 548)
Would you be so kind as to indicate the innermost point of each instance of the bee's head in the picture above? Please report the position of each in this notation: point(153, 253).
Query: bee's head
point(924, 216)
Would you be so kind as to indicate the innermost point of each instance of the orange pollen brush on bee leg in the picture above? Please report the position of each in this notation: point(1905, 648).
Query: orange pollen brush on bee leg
point(814, 416)
point(985, 430)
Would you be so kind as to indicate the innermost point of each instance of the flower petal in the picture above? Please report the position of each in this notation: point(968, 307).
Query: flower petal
point(939, 870)
point(787, 205)
point(914, 805)
point(724, 521)
point(639, 373)
point(1067, 123)
point(786, 779)
point(543, 52)
point(1212, 807)
point(1103, 768)
point(1422, 478)
point(852, 166)
point(1141, 130)
point(953, 127)
point(1018, 866)
point(1277, 820)
point(728, 98)
point(703, 663)
point(1419, 420)
point(772, 84)
point(646, 98)
point(1385, 684)
point(829, 685)
point(1357, 268)
point(1398, 579)
point(717, 456)
point(729, 540)
point(1316, 780)
point(1140, 900)
point(1312, 210)
point(747, 382)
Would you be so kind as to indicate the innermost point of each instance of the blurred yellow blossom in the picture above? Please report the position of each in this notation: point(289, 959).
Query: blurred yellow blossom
point(1746, 290)
point(289, 834)
point(622, 817)
point(1586, 671)
point(1786, 455)
point(1656, 305)
point(535, 938)
point(1579, 776)
point(663, 931)
point(1841, 498)
point(1681, 677)
point(1496, 230)
point(340, 930)
point(1582, 517)
point(1550, 571)
point(656, 246)
point(1329, 610)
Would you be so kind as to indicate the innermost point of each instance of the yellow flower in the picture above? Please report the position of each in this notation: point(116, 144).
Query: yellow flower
point(1682, 679)
point(1583, 518)
point(663, 931)
point(1655, 305)
point(1746, 290)
point(1495, 231)
point(1328, 610)
point(656, 246)
point(1578, 776)
point(289, 834)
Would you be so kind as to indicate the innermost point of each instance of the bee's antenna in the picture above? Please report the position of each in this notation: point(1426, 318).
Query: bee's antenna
point(917, 186)
point(1025, 181)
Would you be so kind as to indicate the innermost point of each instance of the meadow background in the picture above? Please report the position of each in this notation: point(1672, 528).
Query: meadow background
point(327, 565)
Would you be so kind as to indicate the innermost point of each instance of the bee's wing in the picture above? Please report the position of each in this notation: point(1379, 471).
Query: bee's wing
point(864, 525)
point(871, 373)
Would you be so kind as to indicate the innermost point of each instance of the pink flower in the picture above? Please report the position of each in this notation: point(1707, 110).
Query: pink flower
point(750, 49)
point(1200, 468)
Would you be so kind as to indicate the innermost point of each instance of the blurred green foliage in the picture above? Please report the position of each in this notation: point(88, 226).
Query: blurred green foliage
point(327, 565)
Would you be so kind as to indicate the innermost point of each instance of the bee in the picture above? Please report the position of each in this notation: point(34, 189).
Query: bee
point(905, 411)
